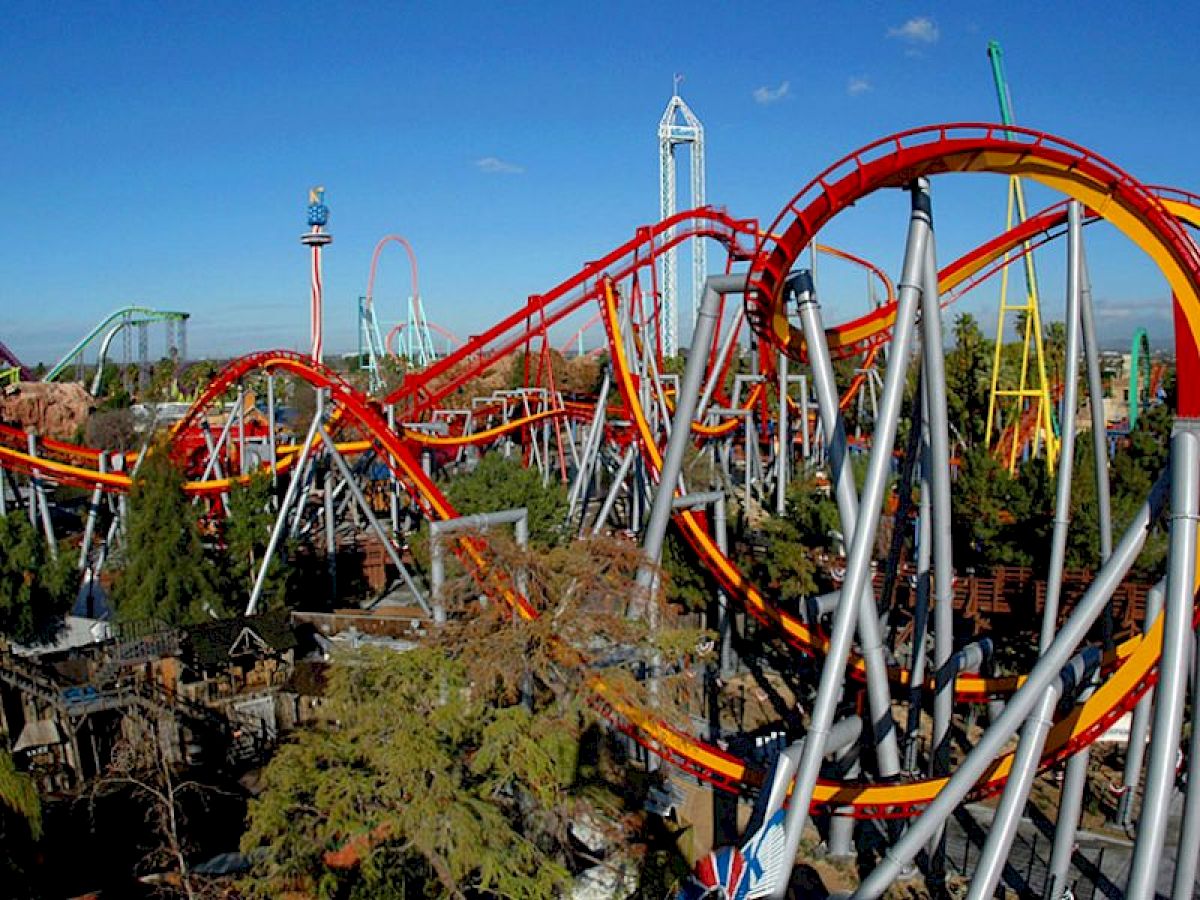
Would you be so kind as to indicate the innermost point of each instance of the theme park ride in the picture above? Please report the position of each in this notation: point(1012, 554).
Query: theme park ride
point(129, 322)
point(890, 698)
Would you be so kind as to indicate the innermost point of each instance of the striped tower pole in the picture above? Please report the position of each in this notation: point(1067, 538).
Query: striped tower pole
point(316, 239)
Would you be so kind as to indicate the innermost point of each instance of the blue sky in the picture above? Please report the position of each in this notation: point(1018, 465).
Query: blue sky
point(161, 153)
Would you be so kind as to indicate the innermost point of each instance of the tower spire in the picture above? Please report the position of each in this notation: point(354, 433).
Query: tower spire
point(679, 126)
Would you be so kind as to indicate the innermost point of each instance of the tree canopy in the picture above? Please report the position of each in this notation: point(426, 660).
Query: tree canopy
point(459, 767)
point(166, 575)
point(36, 590)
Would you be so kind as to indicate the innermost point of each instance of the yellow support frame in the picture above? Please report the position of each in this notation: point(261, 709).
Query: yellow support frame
point(1018, 398)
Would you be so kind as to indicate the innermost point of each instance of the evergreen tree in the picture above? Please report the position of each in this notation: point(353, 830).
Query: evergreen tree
point(499, 483)
point(36, 590)
point(166, 575)
point(19, 795)
point(968, 380)
point(458, 768)
point(247, 531)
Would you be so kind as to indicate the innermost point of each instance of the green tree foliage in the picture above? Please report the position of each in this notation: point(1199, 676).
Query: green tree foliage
point(999, 519)
point(795, 540)
point(247, 531)
point(499, 483)
point(456, 769)
point(968, 380)
point(1133, 470)
point(166, 575)
point(20, 828)
point(36, 591)
point(18, 794)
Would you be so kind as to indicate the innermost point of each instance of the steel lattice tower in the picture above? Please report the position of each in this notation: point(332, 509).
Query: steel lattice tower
point(679, 125)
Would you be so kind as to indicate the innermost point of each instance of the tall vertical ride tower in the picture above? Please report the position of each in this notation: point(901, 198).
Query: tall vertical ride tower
point(317, 238)
point(679, 125)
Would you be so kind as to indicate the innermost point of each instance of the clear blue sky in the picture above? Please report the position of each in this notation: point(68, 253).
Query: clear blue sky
point(161, 153)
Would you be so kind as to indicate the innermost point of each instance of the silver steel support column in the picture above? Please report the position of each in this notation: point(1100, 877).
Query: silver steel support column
point(719, 364)
point(357, 494)
point(241, 414)
point(393, 484)
point(1066, 458)
point(1135, 751)
point(805, 442)
point(1070, 801)
point(882, 733)
point(1020, 778)
point(271, 428)
point(89, 527)
point(1172, 665)
point(37, 495)
point(938, 477)
point(282, 516)
point(916, 681)
point(1091, 350)
point(591, 446)
point(330, 531)
point(1189, 833)
point(858, 561)
point(681, 429)
point(1047, 669)
point(610, 499)
point(1066, 826)
point(518, 517)
point(782, 458)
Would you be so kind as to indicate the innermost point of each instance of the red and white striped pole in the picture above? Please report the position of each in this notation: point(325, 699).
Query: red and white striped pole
point(316, 239)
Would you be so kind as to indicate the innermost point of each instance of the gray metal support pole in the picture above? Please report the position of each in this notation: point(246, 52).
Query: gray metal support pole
point(1047, 669)
point(330, 532)
point(1135, 751)
point(1070, 802)
point(1016, 791)
point(1091, 350)
point(89, 527)
point(437, 576)
point(282, 516)
point(614, 490)
point(859, 558)
point(916, 681)
point(1173, 663)
point(591, 447)
point(357, 494)
point(719, 364)
point(518, 517)
point(883, 732)
point(805, 441)
point(938, 478)
point(37, 495)
point(1188, 848)
point(271, 427)
point(393, 485)
point(784, 443)
point(1066, 827)
point(1066, 459)
point(241, 416)
point(681, 429)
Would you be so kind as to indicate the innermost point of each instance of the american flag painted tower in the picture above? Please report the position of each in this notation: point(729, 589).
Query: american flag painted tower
point(317, 238)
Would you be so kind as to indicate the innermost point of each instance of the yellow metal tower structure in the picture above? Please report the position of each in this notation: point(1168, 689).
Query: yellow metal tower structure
point(1027, 407)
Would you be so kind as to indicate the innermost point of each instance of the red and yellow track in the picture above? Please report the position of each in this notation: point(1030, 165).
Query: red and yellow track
point(1151, 218)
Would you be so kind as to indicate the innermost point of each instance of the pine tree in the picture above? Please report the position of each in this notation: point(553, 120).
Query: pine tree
point(458, 768)
point(36, 590)
point(166, 575)
point(247, 532)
